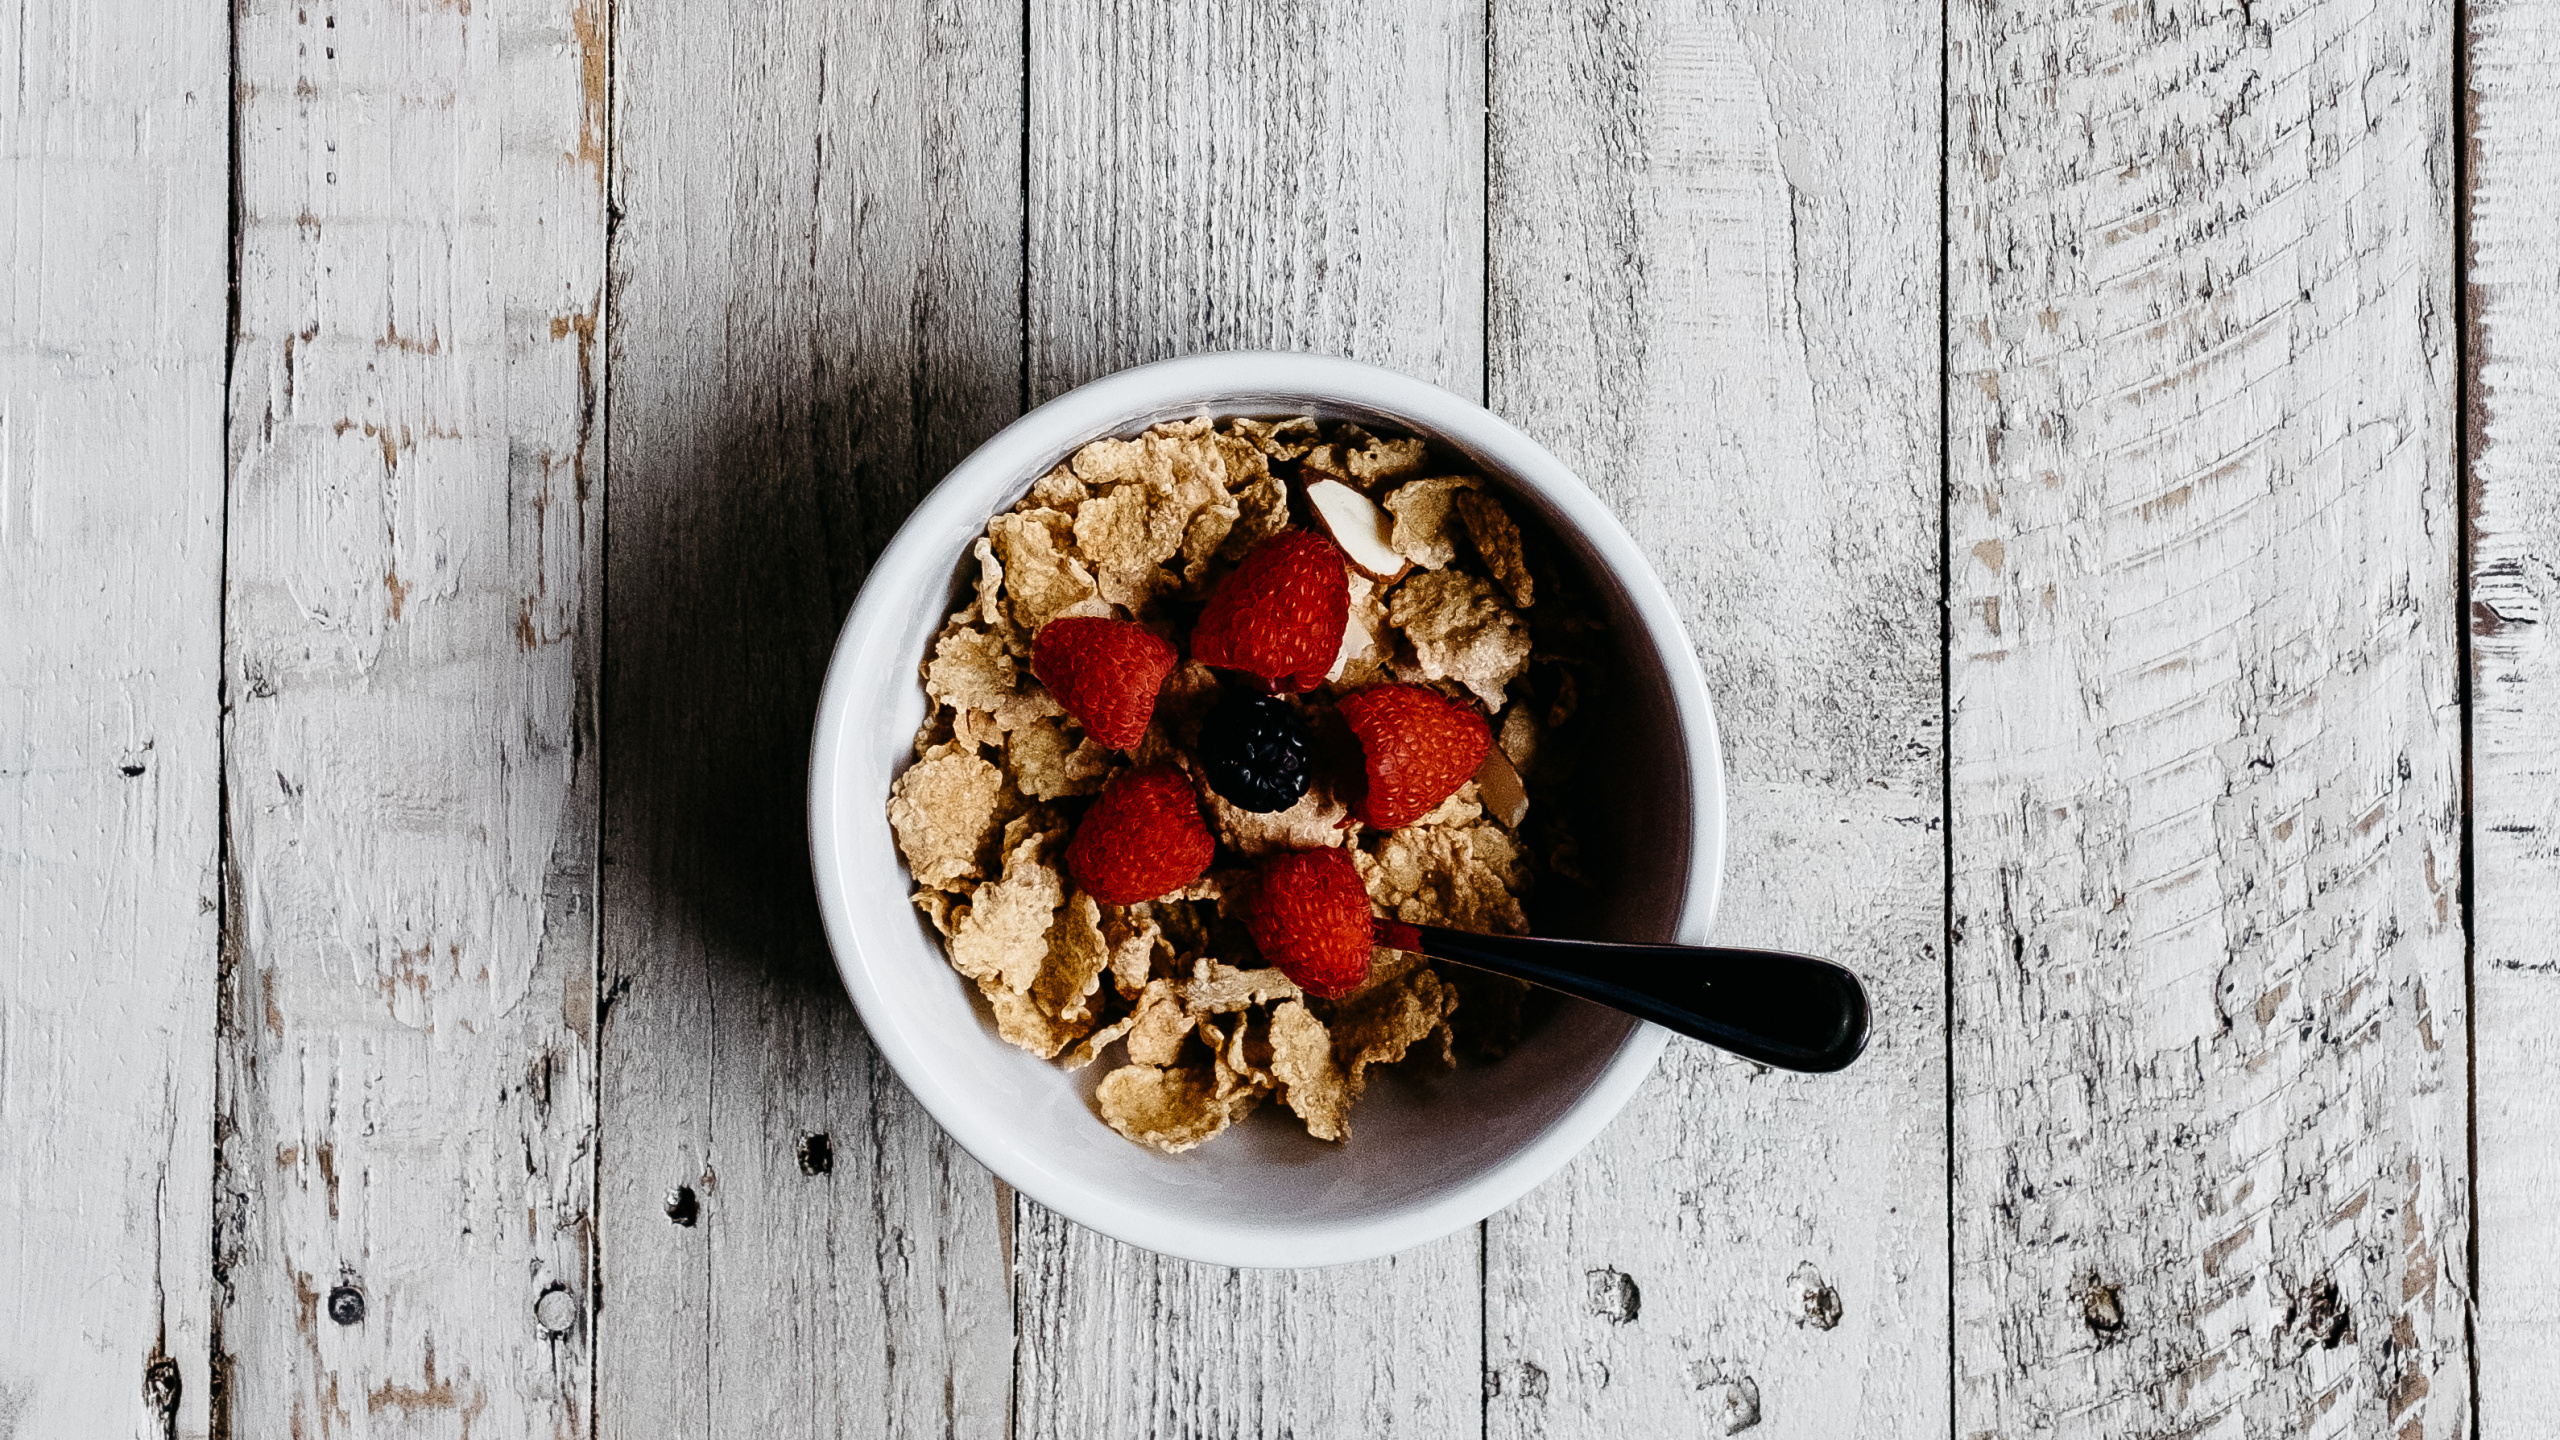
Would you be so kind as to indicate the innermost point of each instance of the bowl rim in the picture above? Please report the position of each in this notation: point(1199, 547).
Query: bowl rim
point(1226, 382)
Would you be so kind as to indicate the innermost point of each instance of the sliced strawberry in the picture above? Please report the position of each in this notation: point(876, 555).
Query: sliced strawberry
point(1419, 747)
point(1280, 616)
point(1106, 672)
point(1143, 838)
point(1311, 918)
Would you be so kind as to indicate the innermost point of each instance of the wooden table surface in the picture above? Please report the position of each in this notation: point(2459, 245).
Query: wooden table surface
point(2108, 456)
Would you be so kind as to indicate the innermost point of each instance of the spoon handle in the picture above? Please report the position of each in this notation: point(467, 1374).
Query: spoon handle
point(1791, 1011)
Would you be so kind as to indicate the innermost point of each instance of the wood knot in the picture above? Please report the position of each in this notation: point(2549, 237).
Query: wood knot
point(682, 1208)
point(817, 1154)
point(346, 1305)
point(162, 1385)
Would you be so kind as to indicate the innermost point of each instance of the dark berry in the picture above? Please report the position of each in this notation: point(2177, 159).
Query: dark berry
point(1254, 749)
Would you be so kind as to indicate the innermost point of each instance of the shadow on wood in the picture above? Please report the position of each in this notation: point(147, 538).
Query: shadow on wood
point(739, 539)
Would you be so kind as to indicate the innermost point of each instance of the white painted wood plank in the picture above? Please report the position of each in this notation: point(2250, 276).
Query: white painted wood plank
point(407, 1041)
point(1283, 175)
point(112, 155)
point(1222, 176)
point(817, 290)
point(2210, 1171)
point(1715, 244)
point(2514, 419)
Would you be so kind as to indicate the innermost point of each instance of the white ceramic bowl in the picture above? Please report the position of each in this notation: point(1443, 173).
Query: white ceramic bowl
point(1430, 1151)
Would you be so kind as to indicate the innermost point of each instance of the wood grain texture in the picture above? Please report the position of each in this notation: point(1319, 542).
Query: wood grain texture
point(1714, 243)
point(111, 352)
point(817, 282)
point(1225, 176)
point(2208, 1033)
point(408, 1066)
point(2514, 419)
point(541, 1060)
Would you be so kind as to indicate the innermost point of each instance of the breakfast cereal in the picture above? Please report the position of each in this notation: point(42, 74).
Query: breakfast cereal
point(1142, 531)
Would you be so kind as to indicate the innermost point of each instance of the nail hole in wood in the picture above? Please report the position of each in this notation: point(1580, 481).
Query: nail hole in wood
point(817, 1154)
point(2323, 1316)
point(2102, 1308)
point(1822, 1308)
point(346, 1305)
point(682, 1208)
point(1614, 1296)
point(1733, 1395)
point(1817, 1304)
point(556, 1310)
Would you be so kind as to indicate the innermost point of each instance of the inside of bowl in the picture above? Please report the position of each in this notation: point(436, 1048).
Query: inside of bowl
point(1419, 1129)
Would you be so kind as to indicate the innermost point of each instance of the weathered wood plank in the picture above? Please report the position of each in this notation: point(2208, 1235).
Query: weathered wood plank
point(1714, 249)
point(407, 1126)
point(112, 154)
point(1251, 175)
point(1277, 176)
point(2514, 364)
point(817, 285)
point(2208, 1032)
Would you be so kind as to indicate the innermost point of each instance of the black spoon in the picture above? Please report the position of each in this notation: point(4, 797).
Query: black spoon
point(1790, 1011)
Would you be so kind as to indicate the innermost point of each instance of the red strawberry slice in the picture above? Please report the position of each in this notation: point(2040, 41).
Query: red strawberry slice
point(1280, 616)
point(1106, 672)
point(1143, 838)
point(1420, 746)
point(1311, 918)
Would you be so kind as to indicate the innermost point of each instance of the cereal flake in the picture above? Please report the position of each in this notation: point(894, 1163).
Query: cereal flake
point(1315, 822)
point(1042, 576)
point(1382, 462)
point(1162, 1022)
point(1497, 539)
point(1217, 988)
point(936, 905)
point(1060, 489)
point(1003, 933)
point(1461, 631)
point(945, 811)
point(1385, 1021)
point(1022, 1021)
point(1280, 439)
point(971, 670)
point(1421, 508)
point(1077, 957)
point(1090, 1048)
point(1047, 764)
point(1311, 1084)
point(1136, 939)
point(1171, 1108)
point(1459, 876)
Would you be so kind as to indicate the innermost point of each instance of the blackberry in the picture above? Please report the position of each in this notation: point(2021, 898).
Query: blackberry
point(1254, 750)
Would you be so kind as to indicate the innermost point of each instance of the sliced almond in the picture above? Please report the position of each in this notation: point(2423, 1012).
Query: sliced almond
point(1498, 785)
point(1357, 525)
